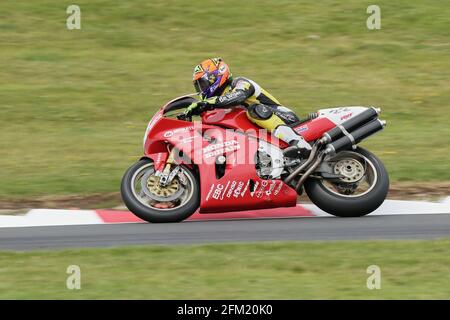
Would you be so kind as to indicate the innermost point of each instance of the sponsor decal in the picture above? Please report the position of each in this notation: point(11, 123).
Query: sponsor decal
point(225, 190)
point(170, 133)
point(346, 116)
point(238, 192)
point(272, 186)
point(220, 148)
point(278, 189)
point(217, 192)
point(160, 161)
point(230, 190)
point(260, 192)
point(340, 110)
point(254, 189)
point(228, 96)
point(245, 189)
point(209, 192)
point(236, 189)
point(301, 129)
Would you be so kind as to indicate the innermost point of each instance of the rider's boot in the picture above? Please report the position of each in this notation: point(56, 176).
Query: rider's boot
point(297, 144)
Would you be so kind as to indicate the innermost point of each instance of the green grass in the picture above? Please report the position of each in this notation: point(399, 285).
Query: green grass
point(285, 270)
point(74, 104)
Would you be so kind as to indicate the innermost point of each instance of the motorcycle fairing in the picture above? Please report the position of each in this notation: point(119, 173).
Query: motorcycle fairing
point(327, 119)
point(240, 188)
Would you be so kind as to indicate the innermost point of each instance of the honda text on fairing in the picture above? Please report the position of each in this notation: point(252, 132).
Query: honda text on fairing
point(224, 162)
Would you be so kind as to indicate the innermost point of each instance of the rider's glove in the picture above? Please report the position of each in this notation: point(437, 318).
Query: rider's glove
point(195, 108)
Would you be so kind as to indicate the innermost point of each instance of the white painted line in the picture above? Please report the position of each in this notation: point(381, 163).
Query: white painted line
point(51, 217)
point(395, 207)
point(13, 221)
point(446, 200)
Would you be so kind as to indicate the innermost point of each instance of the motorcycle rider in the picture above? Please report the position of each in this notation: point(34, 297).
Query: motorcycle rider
point(216, 86)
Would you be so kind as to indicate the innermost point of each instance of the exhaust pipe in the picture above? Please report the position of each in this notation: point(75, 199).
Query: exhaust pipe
point(356, 136)
point(347, 141)
point(350, 125)
point(361, 126)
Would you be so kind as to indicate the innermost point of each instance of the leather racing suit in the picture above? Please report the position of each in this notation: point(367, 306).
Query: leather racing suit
point(263, 109)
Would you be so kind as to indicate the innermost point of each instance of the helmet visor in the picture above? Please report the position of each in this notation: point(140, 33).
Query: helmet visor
point(201, 85)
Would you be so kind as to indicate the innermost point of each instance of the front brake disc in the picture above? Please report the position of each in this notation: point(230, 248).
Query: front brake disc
point(150, 186)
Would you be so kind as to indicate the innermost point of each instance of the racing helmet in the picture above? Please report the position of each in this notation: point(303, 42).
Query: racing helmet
point(210, 77)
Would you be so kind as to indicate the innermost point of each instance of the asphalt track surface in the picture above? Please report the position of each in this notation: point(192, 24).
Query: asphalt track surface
point(428, 226)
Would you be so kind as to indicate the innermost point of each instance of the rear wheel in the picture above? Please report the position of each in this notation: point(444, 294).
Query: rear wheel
point(362, 189)
point(143, 195)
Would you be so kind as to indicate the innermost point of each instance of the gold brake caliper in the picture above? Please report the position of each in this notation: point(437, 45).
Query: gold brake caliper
point(167, 191)
point(155, 185)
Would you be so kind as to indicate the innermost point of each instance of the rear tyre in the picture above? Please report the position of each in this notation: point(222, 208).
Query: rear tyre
point(138, 202)
point(348, 205)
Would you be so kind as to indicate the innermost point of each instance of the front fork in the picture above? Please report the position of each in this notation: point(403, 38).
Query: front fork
point(167, 174)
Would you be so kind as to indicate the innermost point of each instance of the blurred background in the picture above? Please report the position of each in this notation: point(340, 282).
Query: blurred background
point(74, 104)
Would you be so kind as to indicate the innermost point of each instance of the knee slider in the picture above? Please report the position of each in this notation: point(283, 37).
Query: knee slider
point(260, 111)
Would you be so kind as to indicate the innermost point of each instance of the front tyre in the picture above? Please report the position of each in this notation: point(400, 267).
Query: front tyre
point(362, 189)
point(146, 199)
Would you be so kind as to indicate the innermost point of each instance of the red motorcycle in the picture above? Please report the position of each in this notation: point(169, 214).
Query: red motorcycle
point(223, 162)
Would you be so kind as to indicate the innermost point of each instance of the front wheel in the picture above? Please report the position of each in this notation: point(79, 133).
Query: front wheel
point(147, 199)
point(362, 188)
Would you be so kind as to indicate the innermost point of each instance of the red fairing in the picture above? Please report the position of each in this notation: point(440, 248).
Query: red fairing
point(159, 160)
point(228, 133)
point(314, 129)
point(236, 118)
point(240, 188)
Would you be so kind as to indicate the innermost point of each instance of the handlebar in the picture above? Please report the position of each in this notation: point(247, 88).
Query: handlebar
point(198, 111)
point(184, 117)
